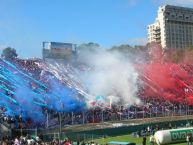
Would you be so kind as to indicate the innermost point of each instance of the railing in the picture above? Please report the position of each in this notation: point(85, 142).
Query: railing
point(103, 116)
point(99, 117)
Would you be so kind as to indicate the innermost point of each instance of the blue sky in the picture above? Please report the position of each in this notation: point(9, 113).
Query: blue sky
point(24, 24)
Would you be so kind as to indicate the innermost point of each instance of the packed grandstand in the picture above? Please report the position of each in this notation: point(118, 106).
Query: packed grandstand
point(56, 97)
point(167, 94)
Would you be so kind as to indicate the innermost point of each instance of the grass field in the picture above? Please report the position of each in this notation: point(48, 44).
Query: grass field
point(127, 138)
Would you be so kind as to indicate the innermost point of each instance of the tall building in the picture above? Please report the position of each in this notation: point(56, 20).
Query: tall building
point(173, 27)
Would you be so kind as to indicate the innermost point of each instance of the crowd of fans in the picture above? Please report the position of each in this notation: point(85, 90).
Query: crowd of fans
point(148, 131)
point(151, 107)
point(29, 140)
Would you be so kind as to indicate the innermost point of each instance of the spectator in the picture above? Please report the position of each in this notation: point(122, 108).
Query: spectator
point(189, 139)
point(144, 140)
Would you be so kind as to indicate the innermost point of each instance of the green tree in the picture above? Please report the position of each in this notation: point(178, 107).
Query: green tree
point(123, 48)
point(9, 53)
point(137, 53)
point(86, 51)
point(88, 47)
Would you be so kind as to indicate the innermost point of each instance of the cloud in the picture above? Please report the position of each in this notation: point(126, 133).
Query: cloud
point(137, 41)
point(176, 2)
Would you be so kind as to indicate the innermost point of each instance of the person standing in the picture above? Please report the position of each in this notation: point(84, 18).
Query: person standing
point(189, 139)
point(144, 140)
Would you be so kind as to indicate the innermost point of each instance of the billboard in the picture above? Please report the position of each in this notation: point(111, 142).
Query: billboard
point(172, 135)
point(60, 49)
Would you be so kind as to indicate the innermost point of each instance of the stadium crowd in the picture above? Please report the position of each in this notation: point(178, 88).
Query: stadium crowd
point(98, 114)
point(151, 107)
point(29, 140)
point(39, 140)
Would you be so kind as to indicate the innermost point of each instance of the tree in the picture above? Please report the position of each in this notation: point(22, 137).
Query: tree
point(9, 53)
point(88, 47)
point(135, 53)
point(86, 51)
point(123, 48)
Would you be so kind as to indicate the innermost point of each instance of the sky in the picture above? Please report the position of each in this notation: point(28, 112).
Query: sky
point(25, 24)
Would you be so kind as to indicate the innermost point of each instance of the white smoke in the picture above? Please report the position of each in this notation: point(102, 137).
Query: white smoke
point(112, 76)
point(100, 76)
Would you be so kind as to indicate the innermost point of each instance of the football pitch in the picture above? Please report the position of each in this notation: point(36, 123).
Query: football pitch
point(127, 138)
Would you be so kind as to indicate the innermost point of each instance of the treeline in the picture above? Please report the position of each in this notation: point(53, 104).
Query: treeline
point(158, 54)
point(150, 53)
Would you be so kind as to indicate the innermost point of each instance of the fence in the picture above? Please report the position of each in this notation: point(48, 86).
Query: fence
point(49, 135)
point(104, 116)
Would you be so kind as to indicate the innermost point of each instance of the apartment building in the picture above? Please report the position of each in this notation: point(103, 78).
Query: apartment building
point(173, 27)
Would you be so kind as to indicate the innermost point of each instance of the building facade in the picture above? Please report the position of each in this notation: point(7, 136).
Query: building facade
point(173, 27)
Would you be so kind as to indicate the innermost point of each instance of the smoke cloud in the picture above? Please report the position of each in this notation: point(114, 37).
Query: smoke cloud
point(111, 76)
point(22, 95)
